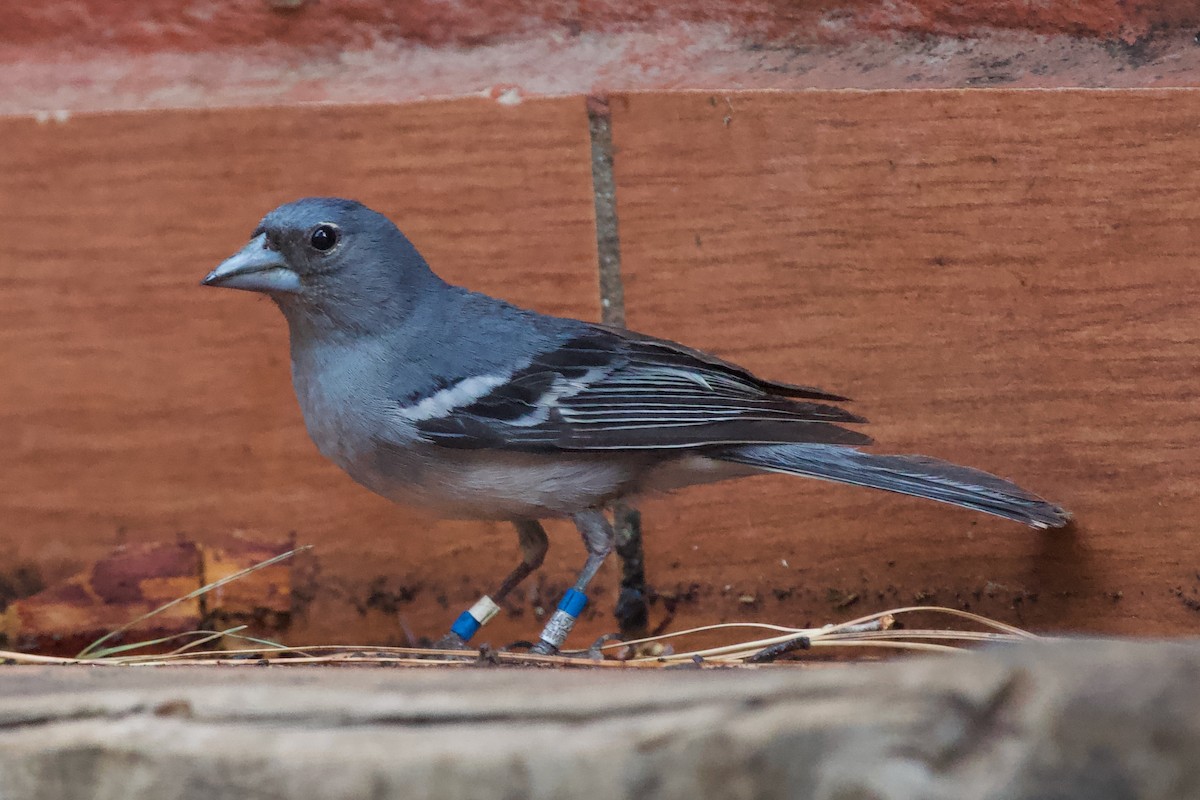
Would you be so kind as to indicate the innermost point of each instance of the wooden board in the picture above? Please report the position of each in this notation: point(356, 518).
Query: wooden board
point(137, 406)
point(1009, 280)
point(1005, 279)
point(1075, 721)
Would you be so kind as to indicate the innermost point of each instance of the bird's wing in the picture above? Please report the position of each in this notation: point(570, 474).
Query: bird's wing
point(610, 389)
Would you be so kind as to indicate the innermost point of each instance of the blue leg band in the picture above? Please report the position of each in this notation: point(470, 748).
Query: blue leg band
point(469, 622)
point(562, 620)
point(573, 602)
point(465, 626)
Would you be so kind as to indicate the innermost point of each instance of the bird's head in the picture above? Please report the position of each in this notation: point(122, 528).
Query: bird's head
point(329, 258)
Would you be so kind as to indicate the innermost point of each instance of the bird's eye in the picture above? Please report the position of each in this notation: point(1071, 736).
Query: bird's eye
point(324, 237)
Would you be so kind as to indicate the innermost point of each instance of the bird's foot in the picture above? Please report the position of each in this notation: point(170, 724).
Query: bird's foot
point(544, 648)
point(593, 653)
point(451, 641)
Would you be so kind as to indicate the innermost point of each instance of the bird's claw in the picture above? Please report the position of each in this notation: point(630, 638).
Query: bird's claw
point(543, 648)
point(451, 641)
point(593, 653)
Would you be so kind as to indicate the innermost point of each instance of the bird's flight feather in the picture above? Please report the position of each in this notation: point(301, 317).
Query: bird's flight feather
point(608, 389)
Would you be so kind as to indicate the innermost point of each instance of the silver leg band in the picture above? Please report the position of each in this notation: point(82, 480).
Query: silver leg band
point(558, 628)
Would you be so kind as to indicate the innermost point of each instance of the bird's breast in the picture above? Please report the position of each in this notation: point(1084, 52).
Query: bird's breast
point(342, 411)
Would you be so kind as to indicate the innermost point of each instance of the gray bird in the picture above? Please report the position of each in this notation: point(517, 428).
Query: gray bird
point(439, 397)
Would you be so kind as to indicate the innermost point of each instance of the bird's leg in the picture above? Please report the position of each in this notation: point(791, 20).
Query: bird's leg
point(632, 611)
point(599, 540)
point(534, 544)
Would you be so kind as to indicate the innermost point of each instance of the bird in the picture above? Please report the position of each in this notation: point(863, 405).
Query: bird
point(439, 397)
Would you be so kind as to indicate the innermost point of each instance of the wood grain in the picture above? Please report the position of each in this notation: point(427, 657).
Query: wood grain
point(1009, 280)
point(135, 404)
point(1004, 279)
point(1069, 720)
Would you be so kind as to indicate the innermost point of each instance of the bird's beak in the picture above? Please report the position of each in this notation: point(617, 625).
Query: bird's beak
point(256, 269)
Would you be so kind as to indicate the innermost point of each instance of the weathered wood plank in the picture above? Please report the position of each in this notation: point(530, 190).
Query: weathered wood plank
point(1004, 279)
point(1080, 720)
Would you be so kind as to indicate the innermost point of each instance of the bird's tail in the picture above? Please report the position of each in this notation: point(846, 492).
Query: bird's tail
point(918, 476)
